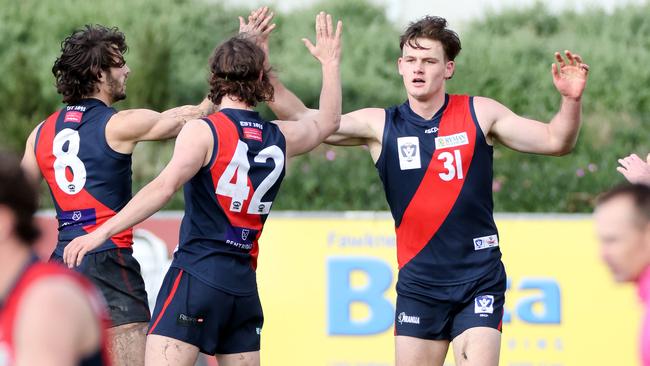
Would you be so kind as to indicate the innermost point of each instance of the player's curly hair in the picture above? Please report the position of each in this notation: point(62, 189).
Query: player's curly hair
point(19, 195)
point(84, 55)
point(237, 70)
point(435, 28)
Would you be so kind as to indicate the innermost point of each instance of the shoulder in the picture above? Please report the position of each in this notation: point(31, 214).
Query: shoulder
point(368, 115)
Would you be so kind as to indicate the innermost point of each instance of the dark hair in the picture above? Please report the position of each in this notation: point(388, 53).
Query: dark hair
point(640, 195)
point(19, 195)
point(435, 28)
point(235, 68)
point(84, 55)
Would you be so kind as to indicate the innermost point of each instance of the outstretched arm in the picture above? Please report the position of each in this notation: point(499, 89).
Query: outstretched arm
point(311, 130)
point(126, 128)
point(635, 170)
point(555, 138)
point(192, 151)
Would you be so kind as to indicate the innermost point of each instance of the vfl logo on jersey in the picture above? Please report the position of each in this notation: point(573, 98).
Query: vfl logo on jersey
point(484, 305)
point(403, 318)
point(73, 116)
point(408, 149)
point(459, 139)
point(485, 242)
point(431, 130)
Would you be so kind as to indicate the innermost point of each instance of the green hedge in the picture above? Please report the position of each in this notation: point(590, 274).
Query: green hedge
point(507, 57)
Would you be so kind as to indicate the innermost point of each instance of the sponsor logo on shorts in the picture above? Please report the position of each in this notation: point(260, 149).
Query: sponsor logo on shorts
point(403, 318)
point(186, 320)
point(484, 305)
point(459, 139)
point(258, 330)
point(485, 242)
point(408, 149)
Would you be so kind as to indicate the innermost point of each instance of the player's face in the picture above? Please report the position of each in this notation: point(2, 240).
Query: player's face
point(624, 242)
point(425, 69)
point(116, 82)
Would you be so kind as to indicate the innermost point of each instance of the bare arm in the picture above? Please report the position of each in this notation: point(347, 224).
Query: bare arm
point(310, 131)
point(555, 138)
point(126, 128)
point(29, 162)
point(56, 325)
point(192, 151)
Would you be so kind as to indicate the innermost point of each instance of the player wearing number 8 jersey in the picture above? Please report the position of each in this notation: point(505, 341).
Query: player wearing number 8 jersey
point(83, 152)
point(434, 156)
point(232, 164)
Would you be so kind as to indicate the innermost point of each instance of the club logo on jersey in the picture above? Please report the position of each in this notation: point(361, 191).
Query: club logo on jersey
point(485, 242)
point(431, 130)
point(241, 238)
point(76, 216)
point(459, 139)
point(484, 305)
point(408, 149)
point(70, 219)
point(403, 318)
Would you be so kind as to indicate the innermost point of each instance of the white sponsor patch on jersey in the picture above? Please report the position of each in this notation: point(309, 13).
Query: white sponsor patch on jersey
point(408, 149)
point(485, 242)
point(459, 139)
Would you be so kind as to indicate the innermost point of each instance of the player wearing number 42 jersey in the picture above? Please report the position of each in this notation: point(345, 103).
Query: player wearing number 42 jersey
point(83, 152)
point(231, 163)
point(434, 156)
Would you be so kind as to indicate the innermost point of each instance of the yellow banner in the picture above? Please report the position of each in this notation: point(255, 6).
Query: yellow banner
point(328, 291)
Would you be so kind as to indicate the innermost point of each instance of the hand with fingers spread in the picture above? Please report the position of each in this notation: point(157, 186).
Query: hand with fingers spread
point(75, 251)
point(258, 26)
point(570, 77)
point(634, 169)
point(328, 40)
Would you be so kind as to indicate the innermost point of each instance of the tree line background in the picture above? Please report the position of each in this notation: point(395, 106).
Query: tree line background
point(506, 56)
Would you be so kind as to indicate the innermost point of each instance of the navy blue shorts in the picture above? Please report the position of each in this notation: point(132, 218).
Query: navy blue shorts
point(216, 322)
point(116, 273)
point(448, 311)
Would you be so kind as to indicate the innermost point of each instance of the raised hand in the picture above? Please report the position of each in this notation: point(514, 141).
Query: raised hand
point(570, 77)
point(258, 26)
point(634, 169)
point(328, 41)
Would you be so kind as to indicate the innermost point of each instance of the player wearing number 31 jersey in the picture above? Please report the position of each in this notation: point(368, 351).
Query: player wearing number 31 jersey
point(231, 164)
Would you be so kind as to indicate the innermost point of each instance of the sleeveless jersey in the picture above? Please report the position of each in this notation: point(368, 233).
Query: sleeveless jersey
point(33, 273)
point(228, 200)
point(437, 175)
point(88, 180)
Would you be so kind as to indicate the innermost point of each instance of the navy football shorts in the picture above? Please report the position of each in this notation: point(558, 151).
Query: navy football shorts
point(215, 321)
point(448, 311)
point(116, 273)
